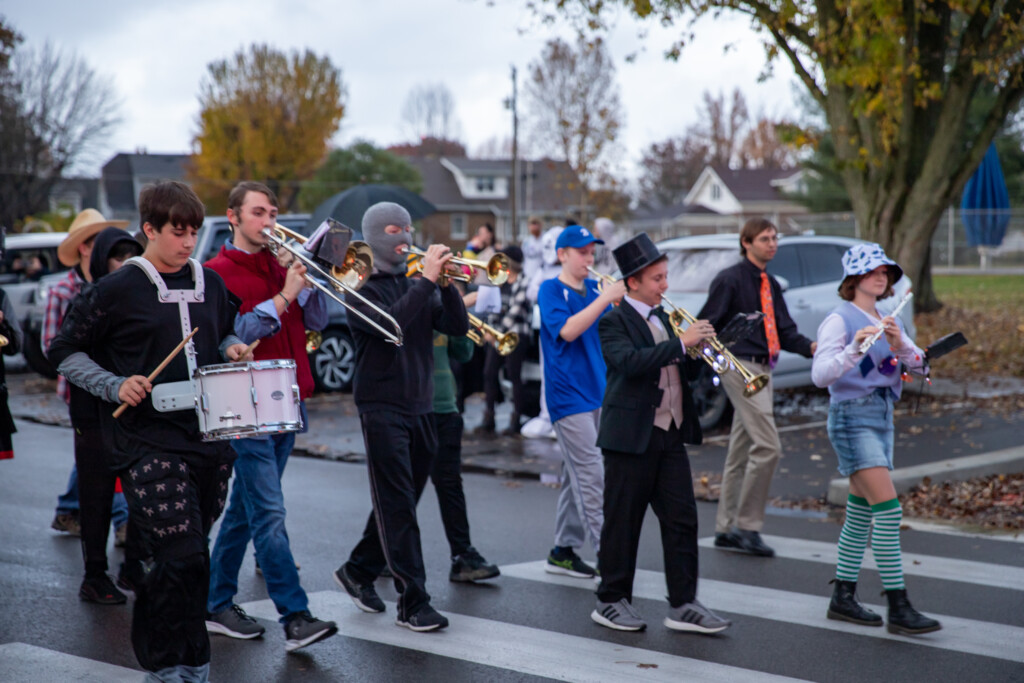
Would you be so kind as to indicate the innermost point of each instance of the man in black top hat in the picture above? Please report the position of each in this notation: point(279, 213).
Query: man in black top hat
point(647, 417)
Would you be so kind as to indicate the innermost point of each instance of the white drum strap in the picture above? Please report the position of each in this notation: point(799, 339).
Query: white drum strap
point(182, 297)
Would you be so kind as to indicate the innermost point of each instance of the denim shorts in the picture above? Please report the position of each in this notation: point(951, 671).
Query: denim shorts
point(861, 431)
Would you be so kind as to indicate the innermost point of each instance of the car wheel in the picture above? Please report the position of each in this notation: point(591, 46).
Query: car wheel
point(334, 362)
point(711, 401)
point(34, 356)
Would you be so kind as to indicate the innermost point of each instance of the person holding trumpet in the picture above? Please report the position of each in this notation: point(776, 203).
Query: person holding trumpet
point(647, 417)
point(394, 394)
point(862, 384)
point(574, 381)
point(276, 307)
point(175, 483)
point(754, 446)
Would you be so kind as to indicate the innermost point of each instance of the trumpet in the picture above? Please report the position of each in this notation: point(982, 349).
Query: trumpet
point(496, 267)
point(505, 343)
point(4, 341)
point(348, 278)
point(712, 351)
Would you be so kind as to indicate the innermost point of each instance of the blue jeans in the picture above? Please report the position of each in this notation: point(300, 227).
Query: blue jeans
point(67, 502)
point(256, 511)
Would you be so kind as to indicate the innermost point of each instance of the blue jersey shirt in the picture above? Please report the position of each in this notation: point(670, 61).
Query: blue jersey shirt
point(574, 372)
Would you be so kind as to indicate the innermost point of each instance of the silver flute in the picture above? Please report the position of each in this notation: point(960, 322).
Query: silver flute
point(867, 343)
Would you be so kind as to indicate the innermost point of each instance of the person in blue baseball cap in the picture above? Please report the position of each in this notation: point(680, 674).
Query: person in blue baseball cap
point(862, 384)
point(574, 383)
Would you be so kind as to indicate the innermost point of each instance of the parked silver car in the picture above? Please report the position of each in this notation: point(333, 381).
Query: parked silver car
point(809, 269)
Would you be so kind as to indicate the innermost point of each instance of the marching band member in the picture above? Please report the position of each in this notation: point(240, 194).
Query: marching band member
point(115, 333)
point(277, 307)
point(394, 393)
point(862, 388)
point(647, 417)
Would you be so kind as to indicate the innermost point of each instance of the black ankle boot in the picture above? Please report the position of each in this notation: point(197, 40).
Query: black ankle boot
point(844, 605)
point(513, 425)
point(486, 426)
point(903, 618)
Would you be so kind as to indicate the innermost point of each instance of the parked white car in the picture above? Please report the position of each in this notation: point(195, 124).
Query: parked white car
point(809, 269)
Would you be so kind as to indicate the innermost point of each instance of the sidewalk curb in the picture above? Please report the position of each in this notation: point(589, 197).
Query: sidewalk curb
point(953, 469)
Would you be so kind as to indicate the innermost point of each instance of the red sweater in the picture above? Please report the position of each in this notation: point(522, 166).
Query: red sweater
point(254, 278)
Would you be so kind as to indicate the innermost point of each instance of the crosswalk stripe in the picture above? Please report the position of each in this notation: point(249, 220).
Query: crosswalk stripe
point(24, 662)
point(518, 648)
point(983, 638)
point(931, 566)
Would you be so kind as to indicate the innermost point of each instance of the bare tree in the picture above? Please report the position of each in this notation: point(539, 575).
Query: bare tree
point(762, 147)
point(429, 112)
point(722, 127)
point(573, 107)
point(55, 113)
point(495, 147)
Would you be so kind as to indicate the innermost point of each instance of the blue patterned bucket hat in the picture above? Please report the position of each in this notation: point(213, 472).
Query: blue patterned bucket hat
point(861, 259)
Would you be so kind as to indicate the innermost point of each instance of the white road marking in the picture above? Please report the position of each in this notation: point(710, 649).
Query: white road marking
point(23, 662)
point(519, 648)
point(931, 566)
point(987, 639)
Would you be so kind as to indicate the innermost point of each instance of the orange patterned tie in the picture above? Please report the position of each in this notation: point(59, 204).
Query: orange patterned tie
point(768, 307)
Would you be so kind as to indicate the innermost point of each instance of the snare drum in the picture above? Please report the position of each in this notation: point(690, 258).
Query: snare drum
point(239, 400)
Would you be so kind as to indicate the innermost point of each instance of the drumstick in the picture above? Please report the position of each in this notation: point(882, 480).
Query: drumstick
point(248, 349)
point(163, 364)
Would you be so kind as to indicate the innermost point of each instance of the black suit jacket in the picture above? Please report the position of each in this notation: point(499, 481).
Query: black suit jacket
point(632, 395)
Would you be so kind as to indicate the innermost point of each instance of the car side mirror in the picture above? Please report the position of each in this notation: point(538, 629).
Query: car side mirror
point(783, 282)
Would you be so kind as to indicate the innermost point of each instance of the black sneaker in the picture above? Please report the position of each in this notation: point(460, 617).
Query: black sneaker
point(566, 561)
point(303, 629)
point(102, 591)
point(234, 623)
point(728, 541)
point(750, 542)
point(425, 619)
point(471, 566)
point(365, 596)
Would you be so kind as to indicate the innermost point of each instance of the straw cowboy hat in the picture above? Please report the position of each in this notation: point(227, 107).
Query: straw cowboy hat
point(85, 225)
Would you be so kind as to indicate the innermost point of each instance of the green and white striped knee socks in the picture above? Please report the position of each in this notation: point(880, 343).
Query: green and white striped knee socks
point(885, 543)
point(853, 539)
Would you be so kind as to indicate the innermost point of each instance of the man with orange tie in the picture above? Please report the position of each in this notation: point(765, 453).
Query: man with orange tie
point(754, 447)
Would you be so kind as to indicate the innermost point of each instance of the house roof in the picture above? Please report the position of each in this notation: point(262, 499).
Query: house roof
point(548, 185)
point(673, 211)
point(121, 172)
point(755, 184)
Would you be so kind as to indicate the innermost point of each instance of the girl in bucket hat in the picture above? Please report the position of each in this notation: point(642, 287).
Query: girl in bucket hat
point(862, 389)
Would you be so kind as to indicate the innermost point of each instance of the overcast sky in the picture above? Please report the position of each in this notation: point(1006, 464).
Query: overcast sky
point(156, 53)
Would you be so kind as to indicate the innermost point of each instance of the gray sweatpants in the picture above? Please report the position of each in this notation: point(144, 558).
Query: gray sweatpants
point(580, 510)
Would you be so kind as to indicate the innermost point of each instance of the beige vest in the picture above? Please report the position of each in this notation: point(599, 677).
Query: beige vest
point(671, 408)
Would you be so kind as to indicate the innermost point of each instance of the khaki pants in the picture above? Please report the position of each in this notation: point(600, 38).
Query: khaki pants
point(754, 451)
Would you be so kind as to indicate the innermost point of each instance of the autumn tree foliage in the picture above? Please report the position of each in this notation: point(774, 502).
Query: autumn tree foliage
point(573, 107)
point(267, 116)
point(896, 82)
point(429, 147)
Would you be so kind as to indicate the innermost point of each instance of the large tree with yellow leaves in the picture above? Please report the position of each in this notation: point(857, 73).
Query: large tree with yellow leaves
point(896, 80)
point(265, 116)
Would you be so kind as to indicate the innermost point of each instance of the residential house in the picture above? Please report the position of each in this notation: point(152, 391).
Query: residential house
point(470, 192)
point(722, 199)
point(124, 176)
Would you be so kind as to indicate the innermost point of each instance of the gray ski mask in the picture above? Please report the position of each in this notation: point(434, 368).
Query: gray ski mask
point(375, 220)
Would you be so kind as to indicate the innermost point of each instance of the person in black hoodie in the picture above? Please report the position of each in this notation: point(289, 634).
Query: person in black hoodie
point(11, 332)
point(394, 393)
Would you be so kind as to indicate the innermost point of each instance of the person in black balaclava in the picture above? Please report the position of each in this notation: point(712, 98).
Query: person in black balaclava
point(394, 392)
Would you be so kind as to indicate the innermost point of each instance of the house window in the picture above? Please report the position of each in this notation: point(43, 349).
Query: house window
point(458, 226)
point(485, 183)
point(716, 191)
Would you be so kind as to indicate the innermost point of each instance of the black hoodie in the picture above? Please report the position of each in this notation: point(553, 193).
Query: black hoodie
point(85, 407)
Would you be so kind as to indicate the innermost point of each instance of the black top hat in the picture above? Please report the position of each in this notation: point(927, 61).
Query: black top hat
point(636, 254)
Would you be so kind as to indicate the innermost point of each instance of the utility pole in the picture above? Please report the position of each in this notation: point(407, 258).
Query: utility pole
point(514, 187)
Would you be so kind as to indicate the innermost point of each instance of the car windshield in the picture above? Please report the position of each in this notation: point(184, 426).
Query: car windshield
point(691, 270)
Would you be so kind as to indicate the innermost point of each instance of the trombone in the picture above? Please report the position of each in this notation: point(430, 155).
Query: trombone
point(712, 351)
point(496, 267)
point(505, 343)
point(346, 278)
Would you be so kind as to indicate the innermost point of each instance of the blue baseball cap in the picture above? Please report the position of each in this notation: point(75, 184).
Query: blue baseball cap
point(576, 236)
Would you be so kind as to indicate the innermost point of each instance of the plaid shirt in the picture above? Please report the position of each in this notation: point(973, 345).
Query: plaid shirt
point(517, 306)
point(58, 299)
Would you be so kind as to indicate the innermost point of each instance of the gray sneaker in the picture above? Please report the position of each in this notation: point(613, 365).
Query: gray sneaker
point(696, 618)
point(618, 615)
point(303, 629)
point(234, 623)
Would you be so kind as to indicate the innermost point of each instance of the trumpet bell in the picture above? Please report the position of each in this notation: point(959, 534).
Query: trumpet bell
point(498, 269)
point(358, 265)
point(507, 343)
point(755, 384)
